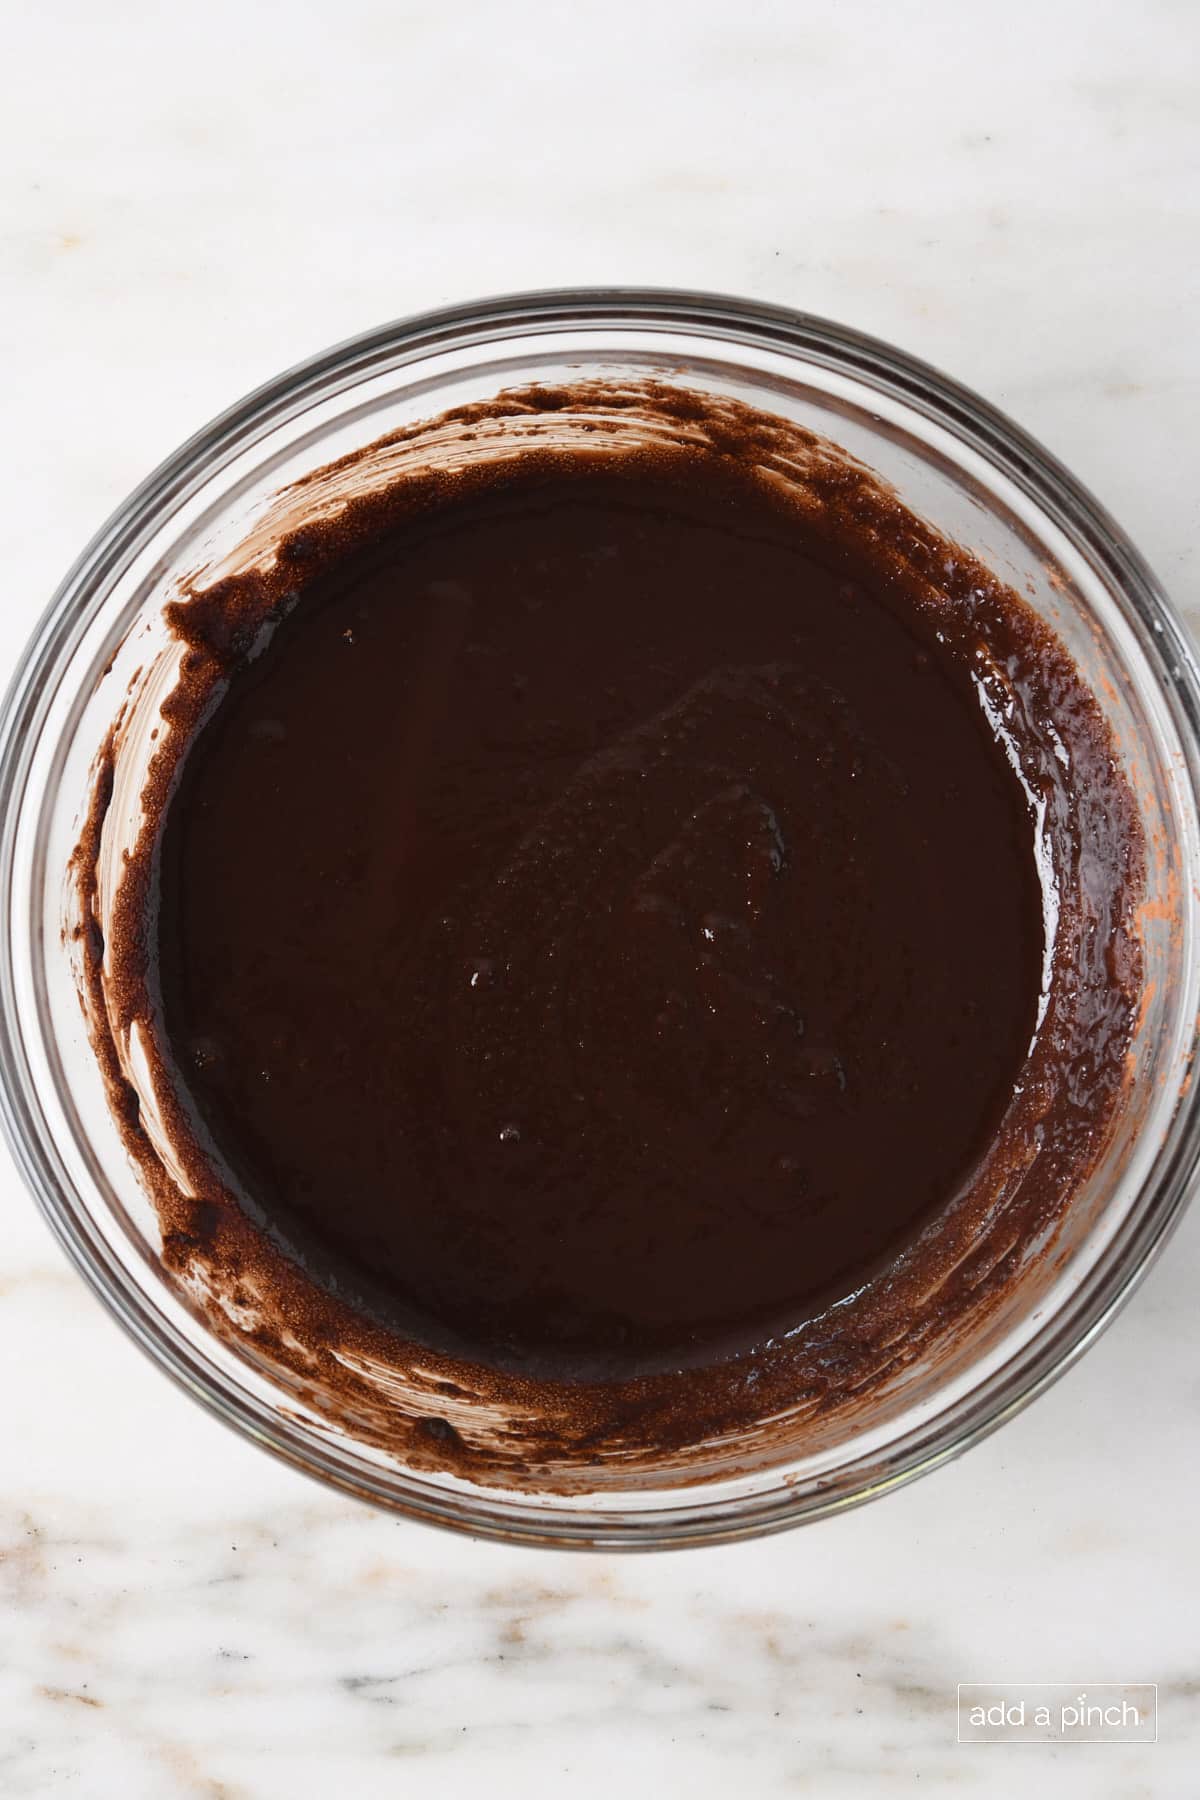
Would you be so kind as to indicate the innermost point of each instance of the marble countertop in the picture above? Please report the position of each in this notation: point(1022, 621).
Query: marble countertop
point(192, 198)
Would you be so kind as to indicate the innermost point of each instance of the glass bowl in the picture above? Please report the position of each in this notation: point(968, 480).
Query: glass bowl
point(956, 462)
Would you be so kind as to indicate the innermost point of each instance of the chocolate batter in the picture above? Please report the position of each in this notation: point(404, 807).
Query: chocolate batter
point(602, 920)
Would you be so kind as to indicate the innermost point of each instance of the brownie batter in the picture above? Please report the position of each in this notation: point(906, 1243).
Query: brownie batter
point(601, 921)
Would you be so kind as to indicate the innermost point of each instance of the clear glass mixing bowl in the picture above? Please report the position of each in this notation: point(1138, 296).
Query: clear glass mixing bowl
point(955, 461)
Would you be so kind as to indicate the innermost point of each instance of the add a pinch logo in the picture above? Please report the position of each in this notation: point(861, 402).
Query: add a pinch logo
point(1011, 1712)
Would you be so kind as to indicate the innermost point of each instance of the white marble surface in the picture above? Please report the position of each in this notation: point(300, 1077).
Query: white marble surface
point(192, 198)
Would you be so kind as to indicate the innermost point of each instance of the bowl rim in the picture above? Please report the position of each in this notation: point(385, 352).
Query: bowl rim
point(720, 319)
